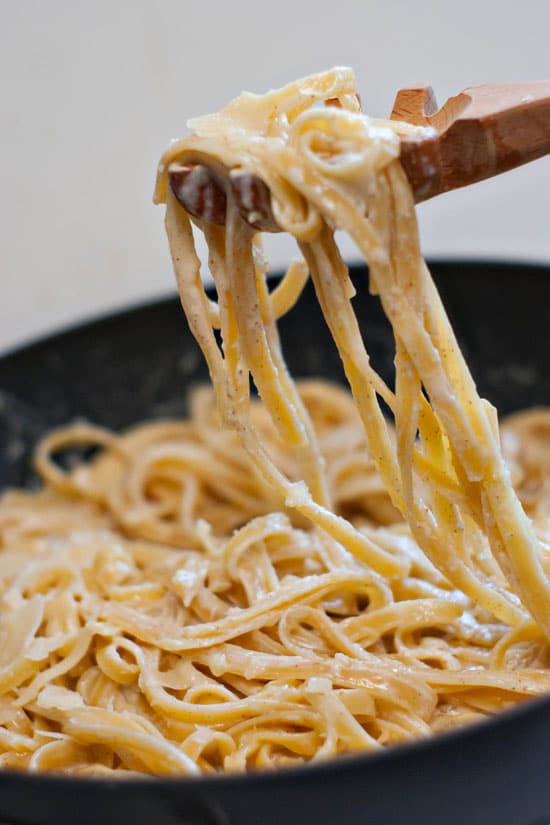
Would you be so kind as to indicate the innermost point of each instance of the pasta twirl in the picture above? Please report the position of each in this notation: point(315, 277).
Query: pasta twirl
point(278, 581)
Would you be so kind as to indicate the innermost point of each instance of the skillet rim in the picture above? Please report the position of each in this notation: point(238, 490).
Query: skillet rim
point(119, 312)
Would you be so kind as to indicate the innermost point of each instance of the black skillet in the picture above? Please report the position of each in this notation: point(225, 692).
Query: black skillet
point(139, 364)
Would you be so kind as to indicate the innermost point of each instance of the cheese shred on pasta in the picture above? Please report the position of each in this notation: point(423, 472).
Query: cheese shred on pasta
point(278, 581)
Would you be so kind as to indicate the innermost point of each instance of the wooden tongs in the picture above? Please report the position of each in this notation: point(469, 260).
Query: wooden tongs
point(481, 132)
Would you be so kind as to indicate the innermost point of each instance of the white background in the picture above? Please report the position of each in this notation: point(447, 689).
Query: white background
point(92, 91)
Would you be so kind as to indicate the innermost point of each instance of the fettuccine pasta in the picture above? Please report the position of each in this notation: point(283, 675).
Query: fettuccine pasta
point(277, 581)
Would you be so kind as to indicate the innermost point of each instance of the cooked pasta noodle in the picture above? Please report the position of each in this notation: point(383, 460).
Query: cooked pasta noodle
point(278, 581)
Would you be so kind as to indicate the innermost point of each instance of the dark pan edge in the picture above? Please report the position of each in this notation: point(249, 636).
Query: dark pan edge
point(118, 313)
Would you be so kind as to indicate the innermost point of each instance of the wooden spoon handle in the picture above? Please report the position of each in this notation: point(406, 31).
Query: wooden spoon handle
point(483, 131)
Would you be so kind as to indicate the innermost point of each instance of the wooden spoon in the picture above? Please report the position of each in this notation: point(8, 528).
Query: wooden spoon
point(481, 132)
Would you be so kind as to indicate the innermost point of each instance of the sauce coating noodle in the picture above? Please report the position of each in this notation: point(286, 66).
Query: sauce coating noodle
point(274, 582)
